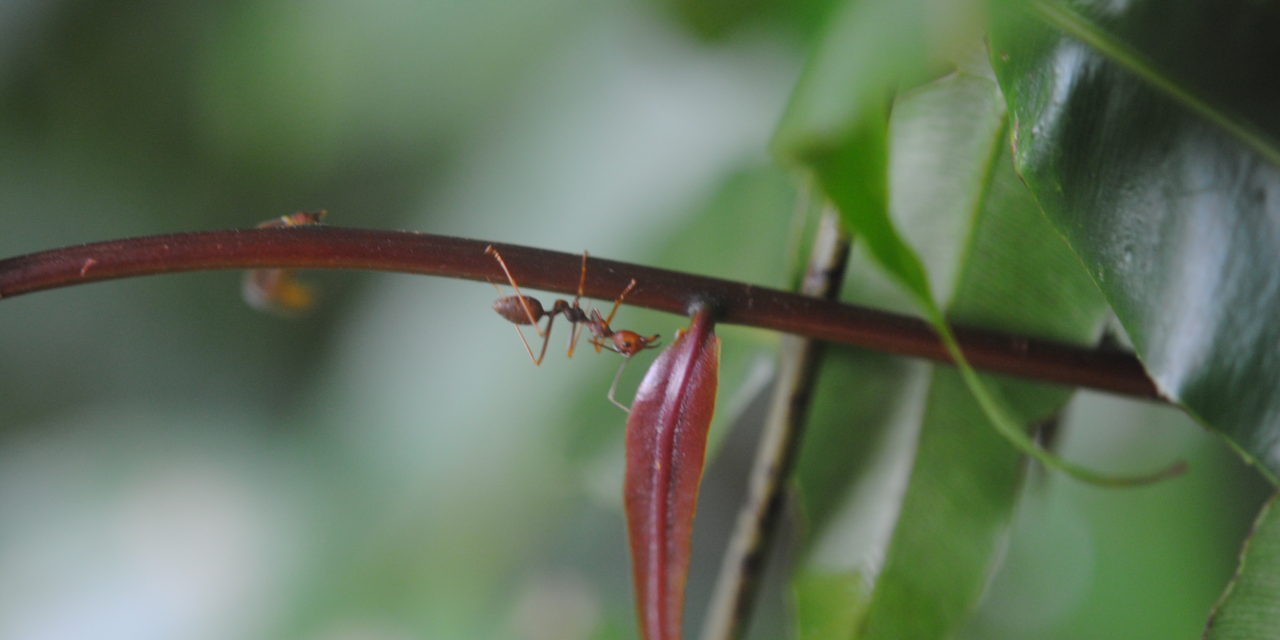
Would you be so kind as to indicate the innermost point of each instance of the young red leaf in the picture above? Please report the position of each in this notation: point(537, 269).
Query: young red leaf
point(666, 443)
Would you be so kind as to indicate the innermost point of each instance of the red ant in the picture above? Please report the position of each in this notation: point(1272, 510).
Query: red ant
point(520, 309)
point(278, 290)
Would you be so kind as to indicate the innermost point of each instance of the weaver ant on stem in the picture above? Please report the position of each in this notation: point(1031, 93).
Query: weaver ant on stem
point(278, 290)
point(520, 309)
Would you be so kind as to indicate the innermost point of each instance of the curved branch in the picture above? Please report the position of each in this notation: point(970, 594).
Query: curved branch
point(325, 247)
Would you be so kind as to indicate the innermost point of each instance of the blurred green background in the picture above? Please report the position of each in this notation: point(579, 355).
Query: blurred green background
point(176, 465)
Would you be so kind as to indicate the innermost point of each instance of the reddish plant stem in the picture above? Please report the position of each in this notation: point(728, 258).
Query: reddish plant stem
point(325, 247)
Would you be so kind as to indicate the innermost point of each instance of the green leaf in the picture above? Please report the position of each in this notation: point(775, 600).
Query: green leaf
point(848, 161)
point(1001, 265)
point(841, 135)
point(956, 512)
point(836, 123)
point(1250, 607)
point(1012, 273)
point(855, 179)
point(718, 19)
point(837, 454)
point(828, 604)
point(1088, 563)
point(1148, 133)
point(870, 47)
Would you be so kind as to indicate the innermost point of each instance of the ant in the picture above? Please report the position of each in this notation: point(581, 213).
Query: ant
point(278, 290)
point(520, 309)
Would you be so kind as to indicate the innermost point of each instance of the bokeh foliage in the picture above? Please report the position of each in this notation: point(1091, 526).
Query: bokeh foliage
point(394, 467)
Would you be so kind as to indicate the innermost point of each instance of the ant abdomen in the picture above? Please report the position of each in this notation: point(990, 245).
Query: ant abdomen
point(513, 310)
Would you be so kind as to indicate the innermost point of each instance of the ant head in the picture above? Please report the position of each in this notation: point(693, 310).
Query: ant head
point(629, 343)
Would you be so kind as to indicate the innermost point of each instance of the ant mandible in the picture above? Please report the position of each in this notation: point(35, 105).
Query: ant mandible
point(520, 309)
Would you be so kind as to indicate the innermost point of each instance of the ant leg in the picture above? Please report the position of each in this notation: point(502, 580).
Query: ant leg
point(618, 301)
point(601, 333)
point(576, 332)
point(546, 340)
point(602, 323)
point(536, 361)
point(613, 388)
point(533, 320)
point(573, 337)
point(600, 330)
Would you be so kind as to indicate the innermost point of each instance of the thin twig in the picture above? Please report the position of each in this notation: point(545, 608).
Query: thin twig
point(743, 563)
point(322, 247)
